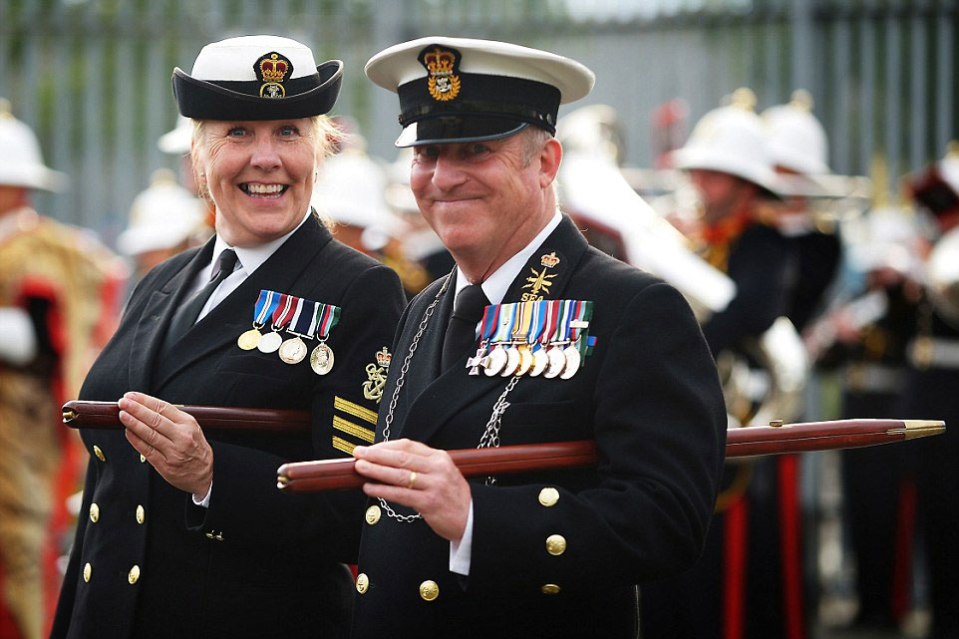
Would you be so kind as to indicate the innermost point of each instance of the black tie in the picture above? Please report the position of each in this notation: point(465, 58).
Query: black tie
point(186, 316)
point(461, 332)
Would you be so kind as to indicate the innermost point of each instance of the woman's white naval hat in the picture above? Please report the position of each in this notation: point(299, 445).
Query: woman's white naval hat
point(464, 90)
point(260, 77)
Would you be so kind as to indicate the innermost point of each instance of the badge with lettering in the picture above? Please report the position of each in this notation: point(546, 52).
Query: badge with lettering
point(540, 281)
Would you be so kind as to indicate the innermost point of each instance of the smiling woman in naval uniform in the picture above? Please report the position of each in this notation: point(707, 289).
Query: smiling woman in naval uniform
point(182, 532)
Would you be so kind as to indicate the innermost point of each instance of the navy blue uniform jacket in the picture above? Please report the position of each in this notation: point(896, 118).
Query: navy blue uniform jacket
point(648, 395)
point(146, 562)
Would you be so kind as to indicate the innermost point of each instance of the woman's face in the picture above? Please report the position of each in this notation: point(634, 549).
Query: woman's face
point(259, 174)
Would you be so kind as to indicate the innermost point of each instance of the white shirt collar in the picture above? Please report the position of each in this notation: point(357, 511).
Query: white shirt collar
point(250, 258)
point(497, 284)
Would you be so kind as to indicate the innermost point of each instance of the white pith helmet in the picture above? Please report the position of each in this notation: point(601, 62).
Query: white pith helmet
point(351, 190)
point(161, 217)
point(21, 163)
point(730, 139)
point(795, 138)
point(177, 141)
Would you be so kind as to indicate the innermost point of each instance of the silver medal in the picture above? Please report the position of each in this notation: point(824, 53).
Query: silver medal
point(512, 362)
point(269, 343)
point(496, 361)
point(556, 362)
point(293, 350)
point(540, 362)
point(321, 359)
point(573, 358)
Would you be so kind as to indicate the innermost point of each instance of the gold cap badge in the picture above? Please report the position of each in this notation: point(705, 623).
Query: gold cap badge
point(442, 65)
point(271, 70)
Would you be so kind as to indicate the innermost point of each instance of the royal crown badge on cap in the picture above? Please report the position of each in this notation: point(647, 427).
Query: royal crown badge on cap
point(270, 70)
point(442, 66)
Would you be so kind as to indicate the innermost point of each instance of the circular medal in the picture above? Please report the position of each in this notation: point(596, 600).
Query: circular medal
point(512, 362)
point(556, 362)
point(248, 340)
point(321, 359)
point(269, 343)
point(525, 359)
point(495, 361)
point(293, 350)
point(540, 362)
point(572, 361)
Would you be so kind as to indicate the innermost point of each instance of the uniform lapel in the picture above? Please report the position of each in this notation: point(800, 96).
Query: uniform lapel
point(234, 314)
point(156, 316)
point(444, 401)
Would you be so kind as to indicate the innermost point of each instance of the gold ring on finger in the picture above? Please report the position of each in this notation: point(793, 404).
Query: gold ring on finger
point(412, 480)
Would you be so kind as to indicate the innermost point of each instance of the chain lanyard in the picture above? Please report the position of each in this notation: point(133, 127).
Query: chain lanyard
point(490, 438)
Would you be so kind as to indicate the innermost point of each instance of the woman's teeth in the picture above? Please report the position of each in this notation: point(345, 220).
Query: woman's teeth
point(264, 190)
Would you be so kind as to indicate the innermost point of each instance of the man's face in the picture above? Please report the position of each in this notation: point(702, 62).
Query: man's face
point(721, 194)
point(259, 175)
point(485, 200)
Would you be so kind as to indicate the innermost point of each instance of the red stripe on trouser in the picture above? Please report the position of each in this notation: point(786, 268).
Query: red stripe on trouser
point(789, 535)
point(734, 568)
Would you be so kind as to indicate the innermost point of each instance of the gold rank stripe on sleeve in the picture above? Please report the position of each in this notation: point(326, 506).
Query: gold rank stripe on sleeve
point(355, 410)
point(342, 445)
point(355, 430)
point(360, 427)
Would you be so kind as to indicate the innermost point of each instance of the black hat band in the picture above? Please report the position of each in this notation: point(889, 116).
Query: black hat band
point(484, 95)
point(241, 100)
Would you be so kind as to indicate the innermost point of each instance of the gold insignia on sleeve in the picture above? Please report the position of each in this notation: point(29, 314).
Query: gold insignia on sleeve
point(350, 408)
point(376, 376)
point(348, 427)
point(442, 65)
point(342, 445)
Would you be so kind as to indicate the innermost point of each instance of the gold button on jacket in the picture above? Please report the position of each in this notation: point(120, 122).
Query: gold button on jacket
point(87, 572)
point(141, 515)
point(362, 583)
point(94, 512)
point(373, 514)
point(556, 545)
point(134, 575)
point(548, 497)
point(429, 590)
point(99, 453)
point(550, 589)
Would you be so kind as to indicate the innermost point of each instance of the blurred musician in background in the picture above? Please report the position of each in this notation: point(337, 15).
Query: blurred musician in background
point(931, 387)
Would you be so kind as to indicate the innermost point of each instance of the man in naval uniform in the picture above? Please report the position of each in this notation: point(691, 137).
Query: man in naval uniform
point(557, 553)
point(182, 531)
